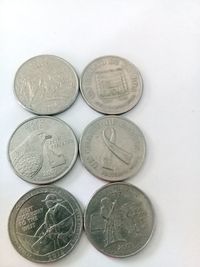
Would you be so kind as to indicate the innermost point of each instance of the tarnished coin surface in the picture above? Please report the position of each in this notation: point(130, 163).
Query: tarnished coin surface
point(119, 220)
point(42, 149)
point(46, 85)
point(45, 224)
point(111, 85)
point(112, 148)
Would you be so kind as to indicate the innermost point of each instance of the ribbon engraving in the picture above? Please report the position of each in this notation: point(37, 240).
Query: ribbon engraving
point(109, 138)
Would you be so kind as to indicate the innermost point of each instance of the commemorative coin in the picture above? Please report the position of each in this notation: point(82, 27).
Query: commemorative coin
point(119, 220)
point(42, 150)
point(45, 224)
point(111, 85)
point(112, 148)
point(46, 85)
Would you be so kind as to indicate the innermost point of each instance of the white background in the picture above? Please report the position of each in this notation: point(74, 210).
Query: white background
point(162, 38)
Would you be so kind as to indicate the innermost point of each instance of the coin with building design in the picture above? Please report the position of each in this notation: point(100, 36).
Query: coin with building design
point(42, 150)
point(112, 148)
point(119, 220)
point(111, 85)
point(45, 224)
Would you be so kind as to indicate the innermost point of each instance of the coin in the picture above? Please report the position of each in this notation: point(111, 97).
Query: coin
point(112, 148)
point(45, 224)
point(111, 85)
point(42, 149)
point(46, 85)
point(119, 220)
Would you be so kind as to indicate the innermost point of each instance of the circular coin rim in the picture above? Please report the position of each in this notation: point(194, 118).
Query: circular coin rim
point(88, 232)
point(48, 113)
point(94, 107)
point(81, 154)
point(13, 237)
point(57, 177)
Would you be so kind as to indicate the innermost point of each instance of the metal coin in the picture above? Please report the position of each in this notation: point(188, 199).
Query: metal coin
point(111, 85)
point(46, 85)
point(45, 224)
point(119, 220)
point(112, 148)
point(42, 150)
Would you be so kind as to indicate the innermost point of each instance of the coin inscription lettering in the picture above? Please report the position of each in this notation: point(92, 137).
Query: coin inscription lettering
point(45, 224)
point(119, 220)
point(42, 150)
point(112, 148)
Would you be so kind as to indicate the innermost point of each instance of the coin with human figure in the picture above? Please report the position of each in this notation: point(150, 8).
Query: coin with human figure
point(119, 220)
point(111, 85)
point(42, 150)
point(112, 148)
point(45, 224)
point(46, 85)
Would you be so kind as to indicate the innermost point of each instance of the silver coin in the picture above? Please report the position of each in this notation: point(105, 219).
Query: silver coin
point(42, 149)
point(119, 220)
point(45, 224)
point(112, 148)
point(46, 85)
point(111, 85)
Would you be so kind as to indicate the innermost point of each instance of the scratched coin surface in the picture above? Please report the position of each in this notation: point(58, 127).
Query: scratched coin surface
point(45, 224)
point(112, 148)
point(111, 85)
point(46, 85)
point(42, 149)
point(119, 220)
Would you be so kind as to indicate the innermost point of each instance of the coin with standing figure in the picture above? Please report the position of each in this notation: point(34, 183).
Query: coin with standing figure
point(119, 220)
point(42, 150)
point(45, 224)
point(46, 85)
point(112, 148)
point(111, 85)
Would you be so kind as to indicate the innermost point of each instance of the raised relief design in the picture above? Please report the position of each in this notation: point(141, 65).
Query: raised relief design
point(109, 139)
point(42, 89)
point(117, 222)
point(56, 227)
point(111, 84)
point(34, 152)
point(28, 156)
point(55, 159)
